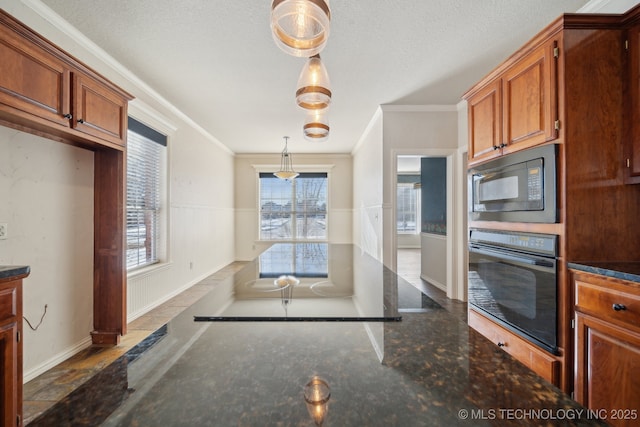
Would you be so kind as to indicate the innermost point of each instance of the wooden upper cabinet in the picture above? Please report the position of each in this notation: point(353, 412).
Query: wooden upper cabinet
point(41, 85)
point(485, 125)
point(632, 146)
point(33, 81)
point(529, 100)
point(99, 111)
point(515, 107)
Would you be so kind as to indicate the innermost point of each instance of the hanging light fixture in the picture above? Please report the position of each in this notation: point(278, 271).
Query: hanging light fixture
point(286, 166)
point(316, 125)
point(286, 283)
point(300, 27)
point(316, 395)
point(314, 88)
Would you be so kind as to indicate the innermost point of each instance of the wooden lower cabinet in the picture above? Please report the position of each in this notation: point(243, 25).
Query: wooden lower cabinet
point(11, 351)
point(536, 359)
point(607, 349)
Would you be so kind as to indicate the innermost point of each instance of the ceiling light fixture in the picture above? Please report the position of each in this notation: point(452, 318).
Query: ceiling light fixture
point(314, 88)
point(300, 27)
point(286, 165)
point(316, 126)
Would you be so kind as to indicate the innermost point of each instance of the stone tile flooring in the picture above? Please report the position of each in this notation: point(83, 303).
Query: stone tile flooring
point(44, 391)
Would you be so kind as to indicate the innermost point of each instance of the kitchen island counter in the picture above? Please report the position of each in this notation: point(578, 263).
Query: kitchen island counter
point(430, 368)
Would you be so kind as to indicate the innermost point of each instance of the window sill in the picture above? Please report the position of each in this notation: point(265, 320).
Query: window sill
point(150, 269)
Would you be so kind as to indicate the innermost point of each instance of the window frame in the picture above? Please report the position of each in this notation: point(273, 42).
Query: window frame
point(417, 212)
point(143, 128)
point(300, 169)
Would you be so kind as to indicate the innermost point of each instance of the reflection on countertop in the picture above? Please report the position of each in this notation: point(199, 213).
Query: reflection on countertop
point(308, 282)
point(428, 369)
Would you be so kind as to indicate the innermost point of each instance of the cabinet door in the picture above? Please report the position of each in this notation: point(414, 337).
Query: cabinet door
point(485, 130)
point(632, 146)
point(608, 368)
point(98, 111)
point(33, 81)
point(529, 99)
point(9, 376)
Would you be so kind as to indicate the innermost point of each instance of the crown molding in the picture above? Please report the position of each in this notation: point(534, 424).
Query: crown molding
point(70, 31)
point(417, 108)
point(367, 130)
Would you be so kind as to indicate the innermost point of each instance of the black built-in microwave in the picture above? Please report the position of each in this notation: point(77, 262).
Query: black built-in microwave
point(517, 187)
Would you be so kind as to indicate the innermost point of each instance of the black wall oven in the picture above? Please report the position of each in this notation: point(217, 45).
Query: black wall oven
point(513, 281)
point(517, 187)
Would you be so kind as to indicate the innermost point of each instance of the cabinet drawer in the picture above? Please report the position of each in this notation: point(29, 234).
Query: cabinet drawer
point(532, 357)
point(615, 304)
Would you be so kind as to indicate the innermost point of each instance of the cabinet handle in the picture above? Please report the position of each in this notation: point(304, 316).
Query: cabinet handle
point(68, 116)
point(503, 145)
point(496, 147)
point(619, 307)
point(501, 344)
point(80, 121)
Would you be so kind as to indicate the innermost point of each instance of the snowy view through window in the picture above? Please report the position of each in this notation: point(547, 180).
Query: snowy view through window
point(293, 209)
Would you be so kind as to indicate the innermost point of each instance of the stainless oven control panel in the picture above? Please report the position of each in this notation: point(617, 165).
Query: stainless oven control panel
point(546, 244)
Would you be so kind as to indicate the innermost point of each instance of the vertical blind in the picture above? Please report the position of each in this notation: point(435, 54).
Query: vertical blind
point(145, 149)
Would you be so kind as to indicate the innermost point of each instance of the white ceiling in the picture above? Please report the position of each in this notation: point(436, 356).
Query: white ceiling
point(215, 60)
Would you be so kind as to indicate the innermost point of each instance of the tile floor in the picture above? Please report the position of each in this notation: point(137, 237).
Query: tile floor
point(44, 391)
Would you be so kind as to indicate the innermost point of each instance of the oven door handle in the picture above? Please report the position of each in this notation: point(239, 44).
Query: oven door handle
point(509, 257)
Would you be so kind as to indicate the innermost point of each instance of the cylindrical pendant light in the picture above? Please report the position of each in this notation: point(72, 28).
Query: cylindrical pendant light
point(314, 88)
point(316, 126)
point(300, 27)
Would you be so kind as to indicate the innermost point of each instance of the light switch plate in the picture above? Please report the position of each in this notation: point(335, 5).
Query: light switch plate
point(3, 230)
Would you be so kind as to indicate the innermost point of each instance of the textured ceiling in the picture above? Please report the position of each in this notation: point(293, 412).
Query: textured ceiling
point(216, 61)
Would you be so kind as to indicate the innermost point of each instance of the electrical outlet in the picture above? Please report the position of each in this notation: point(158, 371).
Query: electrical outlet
point(3, 230)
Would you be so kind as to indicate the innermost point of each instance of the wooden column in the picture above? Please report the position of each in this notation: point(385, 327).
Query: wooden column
point(109, 269)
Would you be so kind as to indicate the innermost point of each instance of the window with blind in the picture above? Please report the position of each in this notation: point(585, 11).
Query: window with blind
point(145, 153)
point(292, 210)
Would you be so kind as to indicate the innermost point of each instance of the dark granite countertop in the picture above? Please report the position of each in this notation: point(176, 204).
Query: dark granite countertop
point(429, 369)
point(8, 271)
point(620, 270)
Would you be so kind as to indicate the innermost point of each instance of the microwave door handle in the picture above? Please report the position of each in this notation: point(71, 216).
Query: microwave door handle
point(514, 258)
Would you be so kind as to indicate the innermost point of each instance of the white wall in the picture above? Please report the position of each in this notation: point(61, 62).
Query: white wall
point(428, 131)
point(46, 189)
point(459, 285)
point(339, 205)
point(367, 189)
point(46, 193)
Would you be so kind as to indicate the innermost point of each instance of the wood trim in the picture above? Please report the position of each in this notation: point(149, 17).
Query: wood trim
point(536, 359)
point(109, 309)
